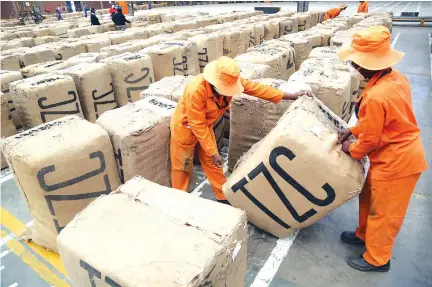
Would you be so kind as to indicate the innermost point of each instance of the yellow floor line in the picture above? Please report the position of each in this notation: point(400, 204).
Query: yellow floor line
point(17, 227)
point(41, 269)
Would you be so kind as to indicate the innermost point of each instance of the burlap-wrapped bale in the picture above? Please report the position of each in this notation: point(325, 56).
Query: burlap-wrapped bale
point(210, 48)
point(44, 68)
point(118, 37)
point(94, 45)
point(167, 60)
point(44, 98)
point(10, 62)
point(324, 52)
point(6, 78)
point(28, 42)
point(251, 118)
point(255, 71)
point(302, 47)
point(7, 125)
point(60, 167)
point(314, 37)
point(45, 39)
point(341, 38)
point(305, 21)
point(65, 50)
point(295, 24)
point(154, 18)
point(271, 30)
point(12, 44)
point(130, 46)
point(60, 31)
point(298, 173)
point(194, 241)
point(331, 86)
point(95, 88)
point(95, 29)
point(84, 58)
point(36, 55)
point(40, 32)
point(189, 56)
point(223, 18)
point(284, 47)
point(140, 135)
point(131, 74)
point(258, 37)
point(169, 87)
point(285, 26)
point(233, 42)
point(78, 32)
point(25, 33)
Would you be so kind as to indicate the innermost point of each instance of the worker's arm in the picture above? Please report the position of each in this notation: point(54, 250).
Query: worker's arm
point(195, 111)
point(126, 20)
point(368, 129)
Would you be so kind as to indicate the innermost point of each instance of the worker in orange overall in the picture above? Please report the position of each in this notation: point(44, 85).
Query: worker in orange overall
point(333, 13)
point(388, 134)
point(363, 7)
point(204, 100)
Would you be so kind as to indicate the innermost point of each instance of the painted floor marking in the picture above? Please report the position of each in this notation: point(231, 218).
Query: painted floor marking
point(4, 253)
point(277, 256)
point(395, 40)
point(406, 7)
point(2, 267)
point(13, 285)
point(6, 178)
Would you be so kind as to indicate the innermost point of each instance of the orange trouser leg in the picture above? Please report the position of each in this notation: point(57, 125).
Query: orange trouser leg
point(213, 173)
point(364, 206)
point(388, 205)
point(181, 165)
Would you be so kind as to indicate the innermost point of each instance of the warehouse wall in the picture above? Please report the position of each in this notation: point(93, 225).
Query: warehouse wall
point(52, 5)
point(7, 9)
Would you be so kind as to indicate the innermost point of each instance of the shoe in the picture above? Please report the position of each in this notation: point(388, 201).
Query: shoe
point(360, 264)
point(350, 238)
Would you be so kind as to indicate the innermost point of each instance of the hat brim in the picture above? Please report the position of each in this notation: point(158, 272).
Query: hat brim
point(370, 61)
point(224, 89)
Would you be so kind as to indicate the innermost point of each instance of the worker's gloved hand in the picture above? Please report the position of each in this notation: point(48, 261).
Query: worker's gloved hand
point(295, 96)
point(217, 160)
point(346, 145)
point(344, 134)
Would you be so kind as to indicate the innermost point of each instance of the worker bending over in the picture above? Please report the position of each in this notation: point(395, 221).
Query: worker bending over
point(363, 7)
point(204, 100)
point(333, 13)
point(388, 134)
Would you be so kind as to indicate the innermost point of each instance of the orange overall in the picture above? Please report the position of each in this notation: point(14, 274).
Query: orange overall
point(192, 123)
point(332, 13)
point(387, 132)
point(363, 7)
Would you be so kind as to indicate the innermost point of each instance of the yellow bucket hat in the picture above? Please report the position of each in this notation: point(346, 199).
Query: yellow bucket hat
point(370, 49)
point(224, 75)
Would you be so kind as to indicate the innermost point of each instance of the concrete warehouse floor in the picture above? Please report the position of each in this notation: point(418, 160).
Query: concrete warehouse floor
point(315, 256)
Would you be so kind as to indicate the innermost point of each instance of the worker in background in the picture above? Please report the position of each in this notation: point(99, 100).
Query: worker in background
point(204, 100)
point(94, 20)
point(59, 16)
point(388, 134)
point(112, 10)
point(333, 13)
point(363, 7)
point(120, 20)
point(85, 9)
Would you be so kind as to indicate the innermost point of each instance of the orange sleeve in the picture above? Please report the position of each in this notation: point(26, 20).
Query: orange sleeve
point(262, 91)
point(368, 129)
point(195, 111)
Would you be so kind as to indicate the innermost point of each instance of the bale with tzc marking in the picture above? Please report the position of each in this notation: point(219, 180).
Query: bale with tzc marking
point(131, 74)
point(7, 126)
point(271, 30)
point(259, 31)
point(84, 58)
point(233, 42)
point(171, 88)
point(298, 173)
point(210, 48)
point(44, 68)
point(190, 56)
point(65, 50)
point(140, 135)
point(251, 118)
point(95, 88)
point(167, 60)
point(302, 47)
point(60, 167)
point(44, 98)
point(331, 86)
point(167, 238)
point(255, 71)
point(36, 55)
point(6, 78)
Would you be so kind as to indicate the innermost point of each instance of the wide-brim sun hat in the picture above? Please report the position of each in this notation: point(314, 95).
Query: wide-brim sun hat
point(371, 49)
point(224, 75)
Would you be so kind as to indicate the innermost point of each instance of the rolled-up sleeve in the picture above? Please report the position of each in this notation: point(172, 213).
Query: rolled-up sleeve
point(262, 91)
point(368, 129)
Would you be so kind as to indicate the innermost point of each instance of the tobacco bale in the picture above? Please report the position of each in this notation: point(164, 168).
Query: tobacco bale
point(44, 68)
point(7, 126)
point(167, 60)
point(169, 87)
point(140, 134)
point(60, 167)
point(95, 44)
point(131, 73)
point(6, 78)
point(186, 246)
point(36, 55)
point(44, 98)
point(255, 71)
point(210, 48)
point(84, 58)
point(10, 62)
point(306, 167)
point(302, 47)
point(189, 56)
point(46, 39)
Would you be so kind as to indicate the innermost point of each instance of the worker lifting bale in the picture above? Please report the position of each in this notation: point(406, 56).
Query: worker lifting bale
point(44, 98)
point(60, 167)
point(275, 182)
point(95, 88)
point(131, 73)
point(188, 246)
point(140, 134)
